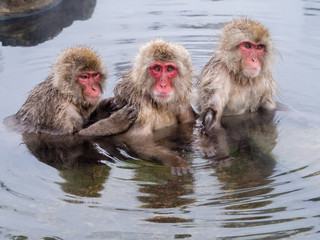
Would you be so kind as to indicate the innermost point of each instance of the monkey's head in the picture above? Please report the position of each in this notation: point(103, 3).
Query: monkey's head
point(246, 47)
point(80, 75)
point(163, 71)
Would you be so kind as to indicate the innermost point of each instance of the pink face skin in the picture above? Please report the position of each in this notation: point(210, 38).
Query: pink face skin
point(251, 60)
point(164, 73)
point(89, 81)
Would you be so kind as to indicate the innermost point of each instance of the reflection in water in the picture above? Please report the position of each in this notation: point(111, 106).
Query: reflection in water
point(241, 149)
point(240, 132)
point(42, 25)
point(244, 168)
point(76, 158)
point(164, 193)
point(250, 192)
point(244, 165)
point(81, 161)
point(160, 189)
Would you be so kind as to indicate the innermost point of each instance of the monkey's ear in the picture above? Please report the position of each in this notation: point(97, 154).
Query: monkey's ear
point(209, 119)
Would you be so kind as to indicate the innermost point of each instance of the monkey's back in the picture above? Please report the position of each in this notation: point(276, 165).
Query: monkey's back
point(46, 110)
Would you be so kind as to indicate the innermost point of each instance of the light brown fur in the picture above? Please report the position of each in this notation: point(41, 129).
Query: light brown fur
point(57, 104)
point(223, 88)
point(136, 90)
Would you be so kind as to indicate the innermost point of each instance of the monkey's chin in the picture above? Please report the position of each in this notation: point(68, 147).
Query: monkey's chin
point(251, 72)
point(92, 100)
point(163, 97)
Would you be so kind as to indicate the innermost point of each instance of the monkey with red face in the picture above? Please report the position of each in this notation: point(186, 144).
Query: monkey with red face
point(159, 85)
point(63, 102)
point(238, 78)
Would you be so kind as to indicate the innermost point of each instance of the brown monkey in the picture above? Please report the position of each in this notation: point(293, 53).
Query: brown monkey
point(238, 78)
point(63, 102)
point(159, 85)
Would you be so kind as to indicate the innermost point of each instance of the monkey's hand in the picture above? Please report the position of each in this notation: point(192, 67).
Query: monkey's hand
point(208, 150)
point(113, 104)
point(206, 144)
point(180, 167)
point(119, 122)
point(209, 119)
point(105, 108)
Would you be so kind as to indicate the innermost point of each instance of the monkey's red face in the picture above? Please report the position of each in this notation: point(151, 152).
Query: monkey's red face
point(89, 81)
point(252, 54)
point(164, 74)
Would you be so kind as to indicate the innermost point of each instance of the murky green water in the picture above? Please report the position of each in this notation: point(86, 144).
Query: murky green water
point(271, 190)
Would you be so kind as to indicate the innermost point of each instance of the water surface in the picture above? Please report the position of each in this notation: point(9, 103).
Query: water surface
point(271, 189)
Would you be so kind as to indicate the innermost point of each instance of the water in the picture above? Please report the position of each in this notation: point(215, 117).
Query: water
point(269, 191)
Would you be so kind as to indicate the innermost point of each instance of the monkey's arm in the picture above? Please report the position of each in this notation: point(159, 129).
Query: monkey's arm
point(187, 116)
point(117, 123)
point(145, 147)
point(267, 101)
point(104, 109)
point(214, 96)
point(213, 144)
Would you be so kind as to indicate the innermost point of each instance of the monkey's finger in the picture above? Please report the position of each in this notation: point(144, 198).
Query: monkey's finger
point(209, 119)
point(184, 170)
point(211, 152)
point(176, 171)
point(133, 115)
point(208, 152)
point(190, 170)
point(173, 171)
point(224, 161)
point(114, 105)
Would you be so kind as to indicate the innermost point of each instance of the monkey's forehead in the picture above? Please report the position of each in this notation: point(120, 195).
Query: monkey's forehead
point(245, 29)
point(163, 51)
point(79, 59)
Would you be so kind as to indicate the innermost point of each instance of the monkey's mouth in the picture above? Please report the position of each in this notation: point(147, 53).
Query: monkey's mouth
point(93, 99)
point(251, 72)
point(163, 95)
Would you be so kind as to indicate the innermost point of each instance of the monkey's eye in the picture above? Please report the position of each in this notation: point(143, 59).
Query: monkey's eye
point(157, 68)
point(260, 46)
point(83, 76)
point(95, 74)
point(247, 45)
point(169, 69)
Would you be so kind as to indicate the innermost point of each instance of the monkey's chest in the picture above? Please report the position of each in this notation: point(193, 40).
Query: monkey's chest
point(155, 119)
point(242, 100)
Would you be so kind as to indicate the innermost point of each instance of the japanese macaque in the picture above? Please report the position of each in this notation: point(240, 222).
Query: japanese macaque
point(238, 78)
point(158, 85)
point(63, 102)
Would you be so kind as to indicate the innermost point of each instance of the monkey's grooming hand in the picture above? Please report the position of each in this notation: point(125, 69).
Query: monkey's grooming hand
point(119, 122)
point(209, 119)
point(113, 104)
point(105, 108)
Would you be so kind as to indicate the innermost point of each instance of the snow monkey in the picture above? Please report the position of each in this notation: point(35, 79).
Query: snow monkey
point(238, 78)
point(63, 102)
point(159, 85)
